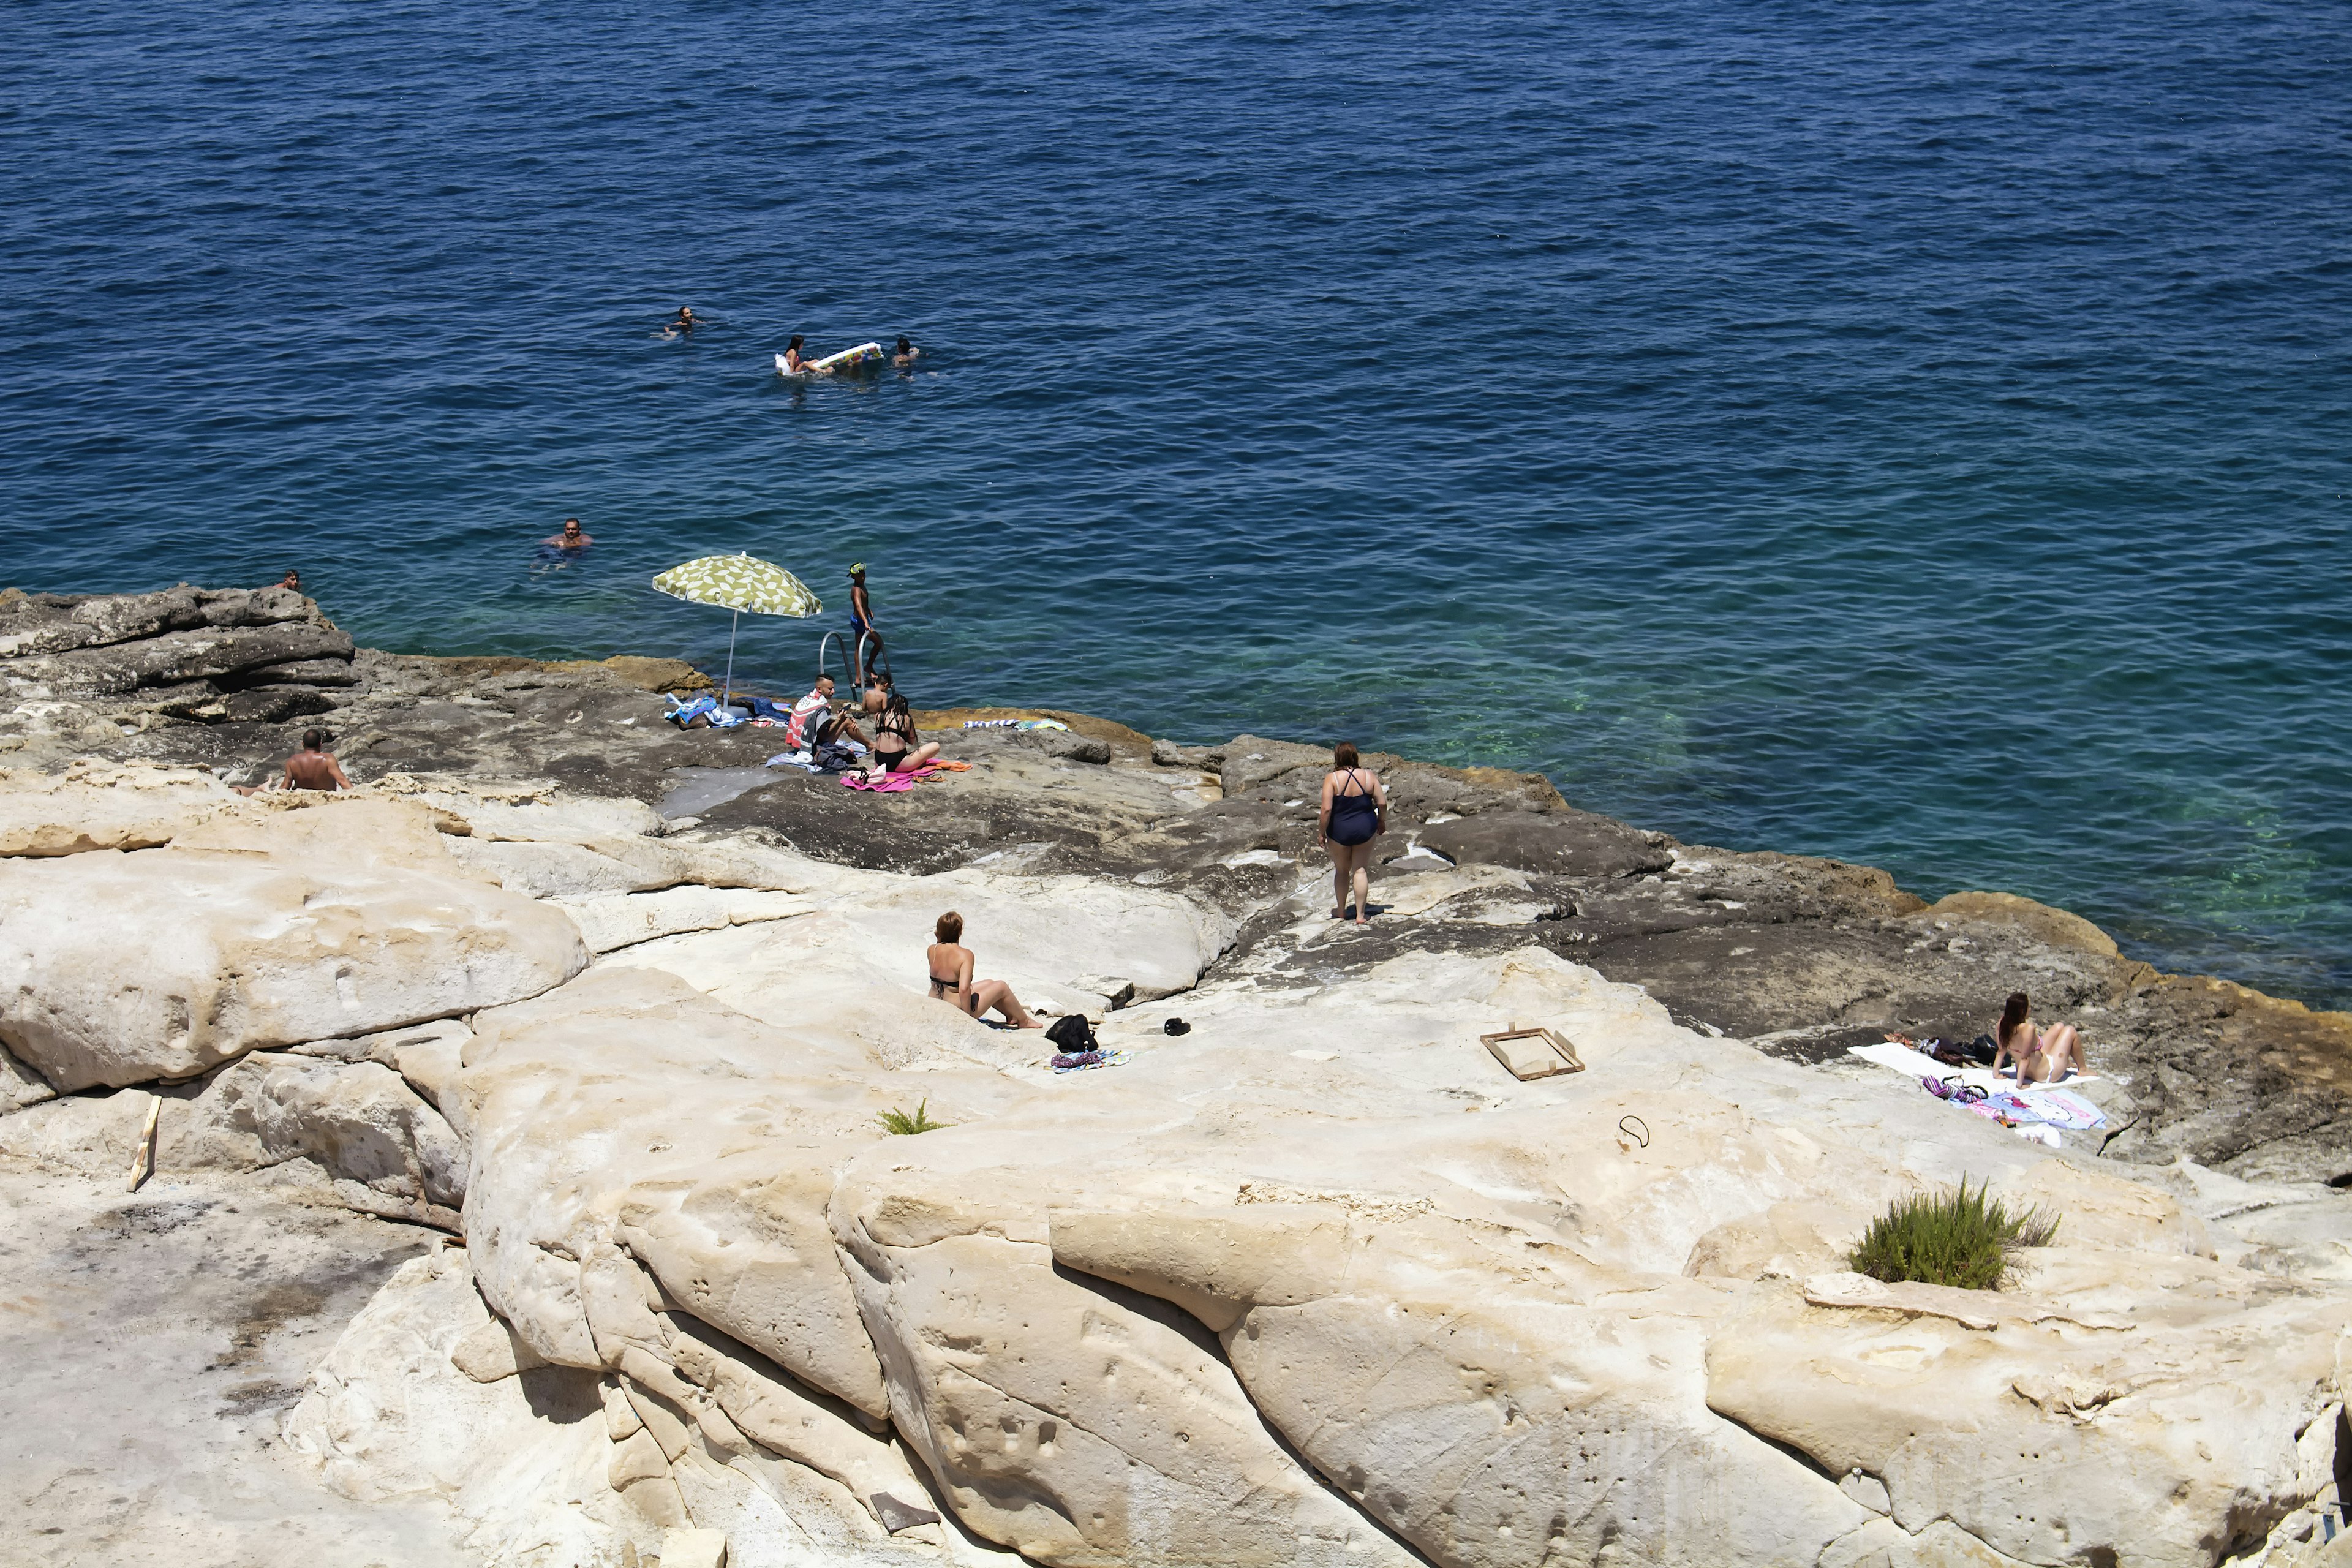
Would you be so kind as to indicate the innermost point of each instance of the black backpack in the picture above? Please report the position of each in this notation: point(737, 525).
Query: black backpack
point(1071, 1033)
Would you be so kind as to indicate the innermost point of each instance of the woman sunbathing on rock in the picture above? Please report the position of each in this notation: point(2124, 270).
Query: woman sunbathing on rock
point(2041, 1057)
point(897, 747)
point(956, 984)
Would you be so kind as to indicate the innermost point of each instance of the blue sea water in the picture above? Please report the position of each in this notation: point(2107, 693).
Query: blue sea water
point(1912, 432)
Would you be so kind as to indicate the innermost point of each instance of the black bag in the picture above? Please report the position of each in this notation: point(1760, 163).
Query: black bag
point(1071, 1033)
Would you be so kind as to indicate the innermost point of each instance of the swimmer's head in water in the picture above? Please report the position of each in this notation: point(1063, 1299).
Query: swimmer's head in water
point(904, 347)
point(293, 579)
point(571, 528)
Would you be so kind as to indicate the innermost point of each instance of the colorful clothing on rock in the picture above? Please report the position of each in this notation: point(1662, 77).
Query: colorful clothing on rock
point(808, 716)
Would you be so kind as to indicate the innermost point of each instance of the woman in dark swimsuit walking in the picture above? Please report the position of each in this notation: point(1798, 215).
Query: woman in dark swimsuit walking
point(1355, 812)
point(951, 981)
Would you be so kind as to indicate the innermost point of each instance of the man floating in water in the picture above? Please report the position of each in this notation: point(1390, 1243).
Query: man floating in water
point(681, 325)
point(907, 353)
point(570, 539)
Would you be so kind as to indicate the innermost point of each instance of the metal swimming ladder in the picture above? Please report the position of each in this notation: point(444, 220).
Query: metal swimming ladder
point(831, 640)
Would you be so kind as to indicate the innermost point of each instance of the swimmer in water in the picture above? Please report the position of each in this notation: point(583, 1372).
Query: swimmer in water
point(906, 355)
point(682, 325)
point(293, 580)
point(570, 539)
point(793, 363)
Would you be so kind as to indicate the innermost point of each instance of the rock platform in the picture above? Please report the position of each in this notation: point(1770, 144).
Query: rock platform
point(1314, 1282)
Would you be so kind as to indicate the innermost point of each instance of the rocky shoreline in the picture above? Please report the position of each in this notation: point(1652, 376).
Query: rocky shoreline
point(618, 1006)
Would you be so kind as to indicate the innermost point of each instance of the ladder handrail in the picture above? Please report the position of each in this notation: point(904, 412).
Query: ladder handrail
point(849, 667)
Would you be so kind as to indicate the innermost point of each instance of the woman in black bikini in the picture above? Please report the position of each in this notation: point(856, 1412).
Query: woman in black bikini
point(896, 745)
point(1355, 812)
point(951, 981)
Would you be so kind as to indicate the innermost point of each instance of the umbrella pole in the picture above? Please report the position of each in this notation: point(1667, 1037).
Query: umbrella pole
point(728, 691)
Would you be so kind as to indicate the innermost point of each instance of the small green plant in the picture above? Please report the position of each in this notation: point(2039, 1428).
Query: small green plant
point(897, 1121)
point(1962, 1239)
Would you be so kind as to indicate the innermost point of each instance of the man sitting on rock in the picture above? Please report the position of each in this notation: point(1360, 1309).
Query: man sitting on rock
point(314, 767)
point(813, 721)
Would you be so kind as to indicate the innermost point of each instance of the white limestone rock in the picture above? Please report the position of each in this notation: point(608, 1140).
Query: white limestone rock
point(1318, 1282)
point(359, 1122)
point(618, 920)
point(388, 1416)
point(567, 871)
point(231, 952)
point(20, 1086)
point(353, 1131)
point(1063, 1423)
point(2039, 1427)
point(104, 805)
point(627, 1098)
point(694, 1548)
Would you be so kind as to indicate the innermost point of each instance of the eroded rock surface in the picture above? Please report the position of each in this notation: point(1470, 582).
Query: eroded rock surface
point(1314, 1282)
point(154, 1341)
point(117, 967)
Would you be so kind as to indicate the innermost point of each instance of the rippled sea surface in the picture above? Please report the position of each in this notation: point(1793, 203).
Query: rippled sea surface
point(1911, 432)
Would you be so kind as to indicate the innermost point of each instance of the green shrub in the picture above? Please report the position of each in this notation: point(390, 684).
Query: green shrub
point(1952, 1238)
point(896, 1120)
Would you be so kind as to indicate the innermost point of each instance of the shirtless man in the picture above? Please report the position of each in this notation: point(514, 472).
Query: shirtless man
point(682, 325)
point(312, 767)
point(571, 538)
point(293, 580)
point(861, 625)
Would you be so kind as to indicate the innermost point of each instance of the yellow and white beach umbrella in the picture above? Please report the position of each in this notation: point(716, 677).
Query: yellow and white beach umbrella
point(738, 582)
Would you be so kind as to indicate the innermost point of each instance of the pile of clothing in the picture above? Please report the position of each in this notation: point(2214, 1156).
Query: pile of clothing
point(2038, 1114)
point(705, 712)
point(824, 757)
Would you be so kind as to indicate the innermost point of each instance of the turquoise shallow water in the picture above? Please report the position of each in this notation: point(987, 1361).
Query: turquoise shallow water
point(1911, 432)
